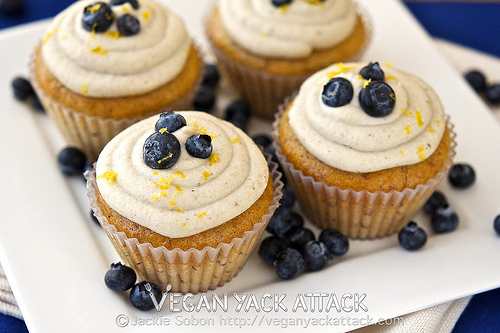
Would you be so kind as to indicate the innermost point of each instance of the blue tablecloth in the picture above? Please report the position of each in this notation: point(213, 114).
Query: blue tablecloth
point(476, 25)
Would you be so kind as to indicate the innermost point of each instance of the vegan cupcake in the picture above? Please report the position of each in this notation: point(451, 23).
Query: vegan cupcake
point(268, 48)
point(103, 65)
point(184, 198)
point(363, 146)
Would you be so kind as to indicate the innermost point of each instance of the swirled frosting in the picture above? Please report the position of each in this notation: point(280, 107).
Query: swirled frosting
point(193, 195)
point(348, 139)
point(110, 65)
point(288, 31)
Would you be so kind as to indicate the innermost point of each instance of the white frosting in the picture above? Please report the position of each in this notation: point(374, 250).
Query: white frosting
point(291, 31)
point(127, 65)
point(232, 186)
point(348, 139)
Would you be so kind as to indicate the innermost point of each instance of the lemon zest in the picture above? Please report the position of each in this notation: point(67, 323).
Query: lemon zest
point(235, 140)
point(163, 130)
point(341, 69)
point(179, 173)
point(202, 214)
point(407, 129)
point(178, 188)
point(367, 82)
point(165, 158)
point(112, 34)
point(406, 112)
point(156, 173)
point(206, 175)
point(174, 205)
point(84, 90)
point(49, 35)
point(157, 195)
point(110, 176)
point(146, 15)
point(94, 8)
point(421, 153)
point(98, 50)
point(390, 77)
point(419, 118)
point(388, 64)
point(283, 8)
point(314, 2)
point(401, 153)
point(392, 96)
point(163, 184)
point(214, 158)
point(431, 129)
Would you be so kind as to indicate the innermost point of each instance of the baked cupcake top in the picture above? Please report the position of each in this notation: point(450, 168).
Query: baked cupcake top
point(115, 48)
point(192, 175)
point(361, 117)
point(287, 28)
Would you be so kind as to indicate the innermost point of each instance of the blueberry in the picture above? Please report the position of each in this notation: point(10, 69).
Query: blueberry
point(436, 200)
point(128, 25)
point(476, 79)
point(11, 7)
point(270, 247)
point(120, 277)
point(71, 161)
point(211, 76)
point(199, 146)
point(444, 220)
point(278, 3)
point(161, 151)
point(97, 17)
point(134, 3)
point(492, 94)
point(238, 113)
point(37, 105)
point(372, 71)
point(289, 264)
point(262, 140)
point(412, 237)
point(204, 99)
point(299, 236)
point(496, 224)
point(377, 99)
point(283, 221)
point(315, 255)
point(22, 88)
point(461, 175)
point(288, 198)
point(337, 92)
point(170, 121)
point(336, 243)
point(140, 295)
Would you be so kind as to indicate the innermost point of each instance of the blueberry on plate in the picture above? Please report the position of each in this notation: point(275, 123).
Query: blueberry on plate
point(289, 264)
point(435, 201)
point(140, 295)
point(71, 161)
point(476, 79)
point(492, 94)
point(315, 255)
point(377, 99)
point(284, 220)
point(11, 7)
point(278, 3)
point(128, 25)
point(161, 150)
point(262, 140)
point(270, 247)
point(288, 198)
point(170, 121)
point(238, 114)
point(134, 3)
point(211, 76)
point(204, 99)
point(22, 88)
point(412, 237)
point(444, 220)
point(372, 72)
point(461, 175)
point(336, 243)
point(199, 146)
point(299, 236)
point(97, 17)
point(120, 277)
point(337, 92)
point(496, 224)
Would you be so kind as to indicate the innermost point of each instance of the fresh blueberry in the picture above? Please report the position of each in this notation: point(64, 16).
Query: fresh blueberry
point(161, 150)
point(315, 255)
point(372, 71)
point(435, 201)
point(97, 17)
point(120, 277)
point(496, 224)
point(461, 175)
point(170, 121)
point(204, 99)
point(444, 220)
point(299, 236)
point(140, 295)
point(278, 3)
point(22, 88)
point(270, 247)
point(337, 92)
point(238, 113)
point(377, 99)
point(492, 94)
point(412, 237)
point(128, 25)
point(37, 105)
point(284, 220)
point(211, 76)
point(262, 140)
point(134, 3)
point(94, 218)
point(199, 146)
point(476, 79)
point(288, 198)
point(11, 7)
point(336, 243)
point(289, 264)
point(71, 161)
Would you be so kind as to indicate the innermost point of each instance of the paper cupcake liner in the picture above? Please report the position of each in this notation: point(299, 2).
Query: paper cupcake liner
point(264, 91)
point(357, 214)
point(92, 133)
point(193, 270)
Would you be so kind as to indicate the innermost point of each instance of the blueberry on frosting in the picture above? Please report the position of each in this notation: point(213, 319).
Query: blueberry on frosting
point(161, 150)
point(133, 3)
point(377, 99)
point(97, 17)
point(372, 72)
point(170, 121)
point(337, 92)
point(278, 3)
point(199, 146)
point(128, 25)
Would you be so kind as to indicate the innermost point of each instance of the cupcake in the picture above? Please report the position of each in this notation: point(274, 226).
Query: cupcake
point(184, 198)
point(363, 146)
point(105, 65)
point(267, 48)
